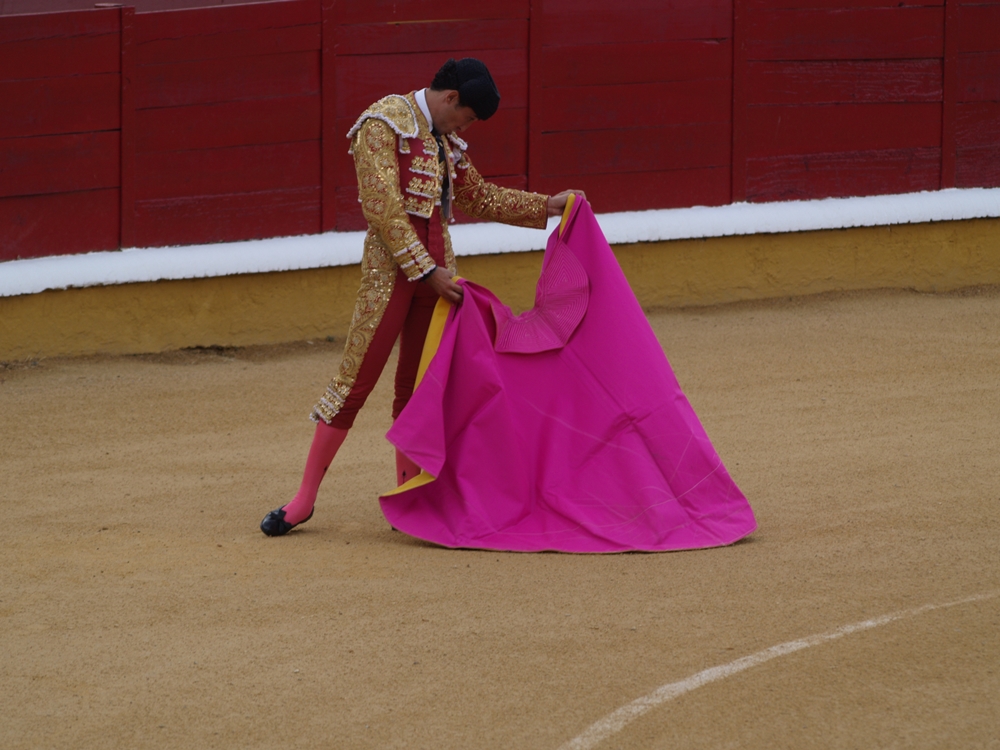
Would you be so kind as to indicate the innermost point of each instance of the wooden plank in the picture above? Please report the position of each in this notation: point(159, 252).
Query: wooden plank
point(979, 28)
point(611, 107)
point(175, 25)
point(536, 66)
point(784, 131)
point(213, 81)
point(848, 81)
point(362, 80)
point(979, 77)
point(393, 11)
point(432, 36)
point(978, 166)
point(640, 191)
point(38, 27)
point(950, 93)
point(586, 7)
point(846, 34)
point(59, 224)
point(741, 99)
point(497, 146)
point(245, 169)
point(639, 150)
point(227, 218)
point(11, 7)
point(241, 123)
point(650, 62)
point(330, 144)
point(59, 163)
point(48, 106)
point(151, 6)
point(240, 43)
point(637, 23)
point(838, 4)
point(977, 124)
point(128, 128)
point(880, 172)
point(59, 56)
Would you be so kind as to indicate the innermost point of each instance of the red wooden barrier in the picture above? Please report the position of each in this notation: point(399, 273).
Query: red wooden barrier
point(839, 100)
point(977, 99)
point(227, 123)
point(59, 120)
point(175, 124)
point(633, 102)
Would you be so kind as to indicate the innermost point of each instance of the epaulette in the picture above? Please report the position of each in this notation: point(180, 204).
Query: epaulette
point(396, 112)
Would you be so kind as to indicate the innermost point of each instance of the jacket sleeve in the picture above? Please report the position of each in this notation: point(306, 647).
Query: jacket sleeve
point(377, 166)
point(483, 200)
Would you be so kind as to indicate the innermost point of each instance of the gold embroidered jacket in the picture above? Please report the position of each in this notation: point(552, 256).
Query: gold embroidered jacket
point(400, 174)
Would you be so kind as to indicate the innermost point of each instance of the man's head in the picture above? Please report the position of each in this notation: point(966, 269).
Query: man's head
point(461, 93)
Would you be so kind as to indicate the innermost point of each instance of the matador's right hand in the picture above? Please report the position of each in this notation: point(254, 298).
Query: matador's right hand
point(440, 280)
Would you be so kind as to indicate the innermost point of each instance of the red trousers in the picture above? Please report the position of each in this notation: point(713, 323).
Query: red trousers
point(407, 317)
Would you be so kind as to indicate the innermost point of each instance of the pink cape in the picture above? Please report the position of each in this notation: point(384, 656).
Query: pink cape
point(563, 428)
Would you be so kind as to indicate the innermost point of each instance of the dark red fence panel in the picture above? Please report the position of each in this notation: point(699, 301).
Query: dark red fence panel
point(838, 98)
point(393, 48)
point(632, 101)
point(59, 140)
point(227, 142)
point(977, 126)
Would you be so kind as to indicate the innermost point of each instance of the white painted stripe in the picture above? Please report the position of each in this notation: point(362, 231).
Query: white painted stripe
point(344, 248)
point(618, 720)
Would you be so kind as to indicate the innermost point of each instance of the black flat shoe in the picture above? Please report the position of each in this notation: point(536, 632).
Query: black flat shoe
point(274, 523)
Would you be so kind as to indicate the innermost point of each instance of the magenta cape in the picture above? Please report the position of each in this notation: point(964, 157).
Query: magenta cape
point(563, 428)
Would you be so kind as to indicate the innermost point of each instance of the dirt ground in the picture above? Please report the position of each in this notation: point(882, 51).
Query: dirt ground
point(141, 607)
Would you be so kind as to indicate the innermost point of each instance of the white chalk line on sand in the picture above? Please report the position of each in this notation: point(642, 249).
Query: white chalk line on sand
point(618, 720)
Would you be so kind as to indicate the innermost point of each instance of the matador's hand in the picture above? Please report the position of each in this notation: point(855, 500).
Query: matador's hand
point(555, 205)
point(441, 282)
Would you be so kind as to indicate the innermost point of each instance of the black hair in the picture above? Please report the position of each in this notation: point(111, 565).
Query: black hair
point(473, 82)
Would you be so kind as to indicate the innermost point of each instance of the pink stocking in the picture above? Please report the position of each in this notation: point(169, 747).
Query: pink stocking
point(326, 442)
point(405, 468)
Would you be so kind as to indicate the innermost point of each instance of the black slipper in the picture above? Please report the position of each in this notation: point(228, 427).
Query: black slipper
point(274, 523)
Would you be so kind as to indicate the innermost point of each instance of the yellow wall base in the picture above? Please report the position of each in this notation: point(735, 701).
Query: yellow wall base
point(296, 305)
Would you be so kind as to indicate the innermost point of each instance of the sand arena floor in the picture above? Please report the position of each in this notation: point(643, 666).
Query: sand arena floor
point(141, 608)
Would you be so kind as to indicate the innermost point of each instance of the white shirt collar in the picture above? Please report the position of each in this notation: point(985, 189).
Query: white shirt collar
point(421, 97)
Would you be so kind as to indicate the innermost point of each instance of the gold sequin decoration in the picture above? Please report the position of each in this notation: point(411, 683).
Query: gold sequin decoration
point(482, 200)
point(378, 276)
point(424, 188)
point(378, 190)
point(417, 206)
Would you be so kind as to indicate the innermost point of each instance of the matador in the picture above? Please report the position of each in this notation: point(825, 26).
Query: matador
point(412, 170)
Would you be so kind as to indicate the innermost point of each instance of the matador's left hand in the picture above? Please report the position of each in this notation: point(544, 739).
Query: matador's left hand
point(556, 204)
point(440, 281)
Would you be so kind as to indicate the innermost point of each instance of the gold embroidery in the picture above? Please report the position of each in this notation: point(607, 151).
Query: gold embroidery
point(425, 166)
point(398, 112)
point(424, 188)
point(378, 275)
point(418, 206)
point(378, 190)
point(482, 200)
